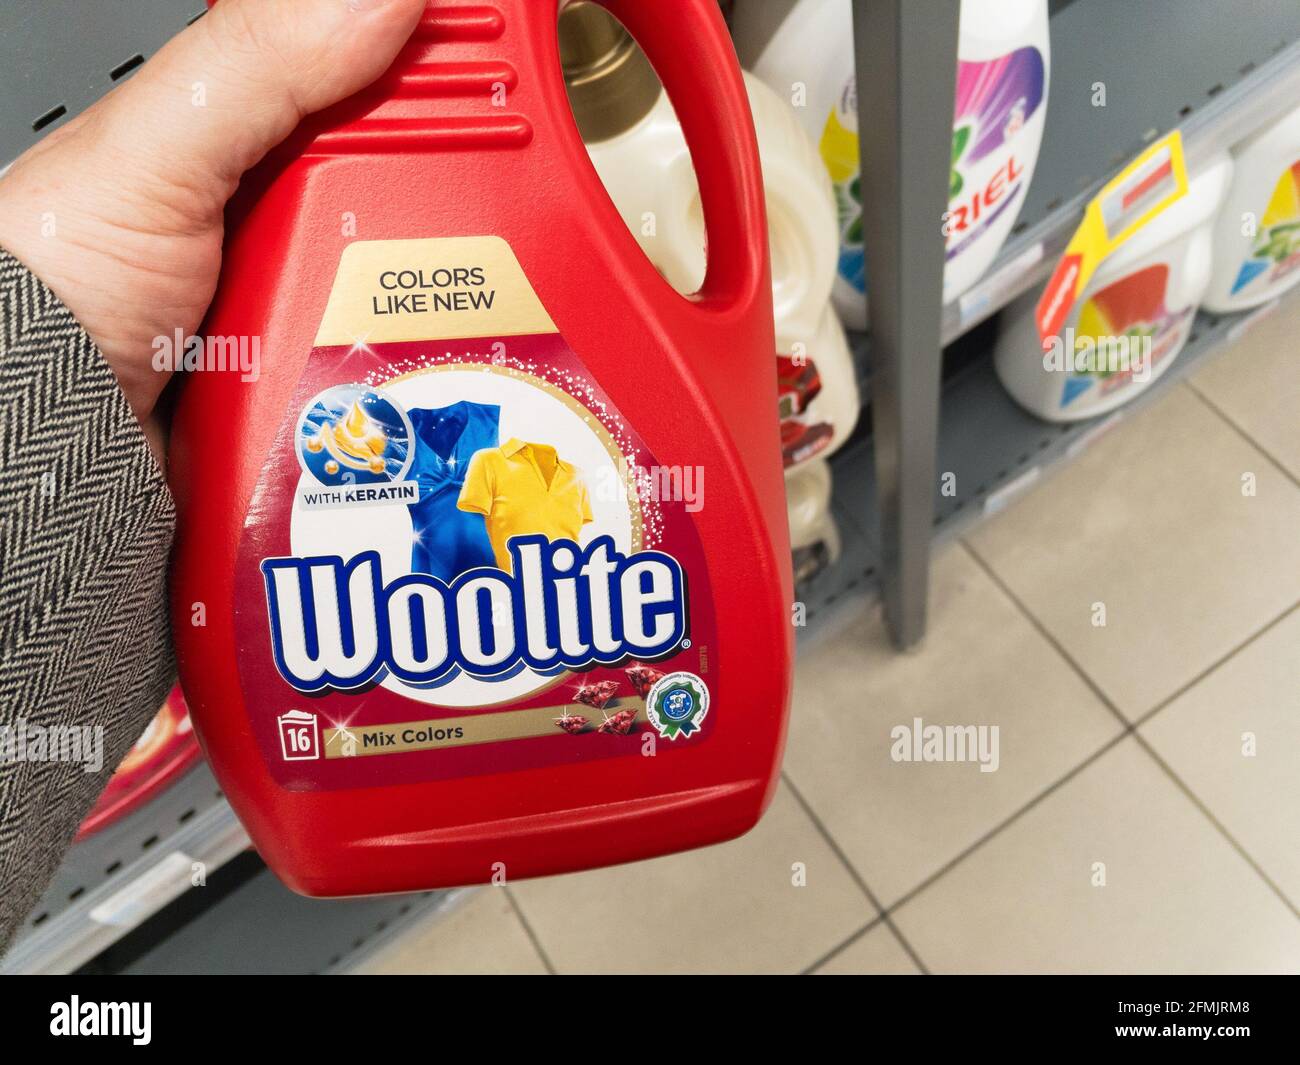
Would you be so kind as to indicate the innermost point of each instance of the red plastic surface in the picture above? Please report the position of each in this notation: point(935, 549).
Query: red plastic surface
point(424, 153)
point(166, 750)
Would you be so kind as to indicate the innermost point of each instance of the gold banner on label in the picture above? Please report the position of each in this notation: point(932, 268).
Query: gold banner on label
point(437, 288)
point(402, 736)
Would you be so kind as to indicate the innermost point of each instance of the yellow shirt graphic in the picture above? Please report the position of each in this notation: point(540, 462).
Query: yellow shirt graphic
point(523, 488)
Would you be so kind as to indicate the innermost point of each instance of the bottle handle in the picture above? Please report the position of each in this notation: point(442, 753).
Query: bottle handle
point(683, 46)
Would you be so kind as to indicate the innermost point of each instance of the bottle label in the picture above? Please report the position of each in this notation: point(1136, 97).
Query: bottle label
point(1136, 196)
point(839, 151)
point(460, 558)
point(995, 99)
point(1276, 251)
point(1122, 337)
point(804, 436)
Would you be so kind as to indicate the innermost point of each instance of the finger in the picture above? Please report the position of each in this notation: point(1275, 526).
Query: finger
point(230, 87)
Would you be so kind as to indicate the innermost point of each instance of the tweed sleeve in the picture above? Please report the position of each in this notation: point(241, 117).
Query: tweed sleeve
point(86, 525)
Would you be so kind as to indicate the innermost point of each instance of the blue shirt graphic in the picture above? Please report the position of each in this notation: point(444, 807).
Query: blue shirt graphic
point(448, 541)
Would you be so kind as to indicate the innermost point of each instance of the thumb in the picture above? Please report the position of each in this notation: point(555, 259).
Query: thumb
point(138, 182)
point(230, 87)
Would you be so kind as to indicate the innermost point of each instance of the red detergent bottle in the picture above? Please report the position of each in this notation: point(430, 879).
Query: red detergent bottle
point(486, 574)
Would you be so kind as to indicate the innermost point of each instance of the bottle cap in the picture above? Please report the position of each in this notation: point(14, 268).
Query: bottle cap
point(611, 83)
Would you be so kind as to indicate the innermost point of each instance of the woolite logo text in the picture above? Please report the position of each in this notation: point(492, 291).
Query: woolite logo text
point(336, 624)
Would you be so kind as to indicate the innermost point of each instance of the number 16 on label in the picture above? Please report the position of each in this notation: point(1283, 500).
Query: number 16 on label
point(299, 737)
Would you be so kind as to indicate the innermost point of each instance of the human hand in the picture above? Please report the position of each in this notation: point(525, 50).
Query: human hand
point(120, 212)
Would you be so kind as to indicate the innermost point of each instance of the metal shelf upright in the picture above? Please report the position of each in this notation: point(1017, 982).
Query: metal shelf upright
point(898, 48)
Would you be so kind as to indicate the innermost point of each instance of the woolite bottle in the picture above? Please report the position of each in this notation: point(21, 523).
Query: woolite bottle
point(487, 573)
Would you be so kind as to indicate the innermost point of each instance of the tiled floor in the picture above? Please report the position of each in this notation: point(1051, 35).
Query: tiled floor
point(1132, 629)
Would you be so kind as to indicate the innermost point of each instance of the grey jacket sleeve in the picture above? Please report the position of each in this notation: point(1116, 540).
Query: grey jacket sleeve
point(86, 524)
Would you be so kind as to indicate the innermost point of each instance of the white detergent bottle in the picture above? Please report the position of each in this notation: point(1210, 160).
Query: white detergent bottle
point(814, 535)
point(636, 144)
point(634, 140)
point(817, 391)
point(1129, 322)
point(1257, 234)
point(803, 49)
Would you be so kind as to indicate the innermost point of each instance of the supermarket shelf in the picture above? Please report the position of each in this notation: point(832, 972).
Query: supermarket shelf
point(995, 449)
point(263, 928)
point(1217, 71)
point(55, 61)
point(435, 904)
point(119, 877)
point(107, 892)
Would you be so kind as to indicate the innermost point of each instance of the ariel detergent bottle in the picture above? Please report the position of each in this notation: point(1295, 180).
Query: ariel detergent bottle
point(636, 144)
point(803, 49)
point(487, 575)
point(1129, 322)
point(1257, 235)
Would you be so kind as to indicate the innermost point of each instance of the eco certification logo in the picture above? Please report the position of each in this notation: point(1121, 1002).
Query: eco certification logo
point(677, 704)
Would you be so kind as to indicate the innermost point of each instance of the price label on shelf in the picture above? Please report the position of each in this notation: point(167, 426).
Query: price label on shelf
point(998, 500)
point(1149, 185)
point(147, 893)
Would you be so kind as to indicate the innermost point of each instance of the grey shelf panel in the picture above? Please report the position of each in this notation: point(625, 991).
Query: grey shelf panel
point(118, 878)
point(433, 904)
point(263, 928)
point(121, 877)
point(64, 54)
point(1215, 70)
point(995, 449)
